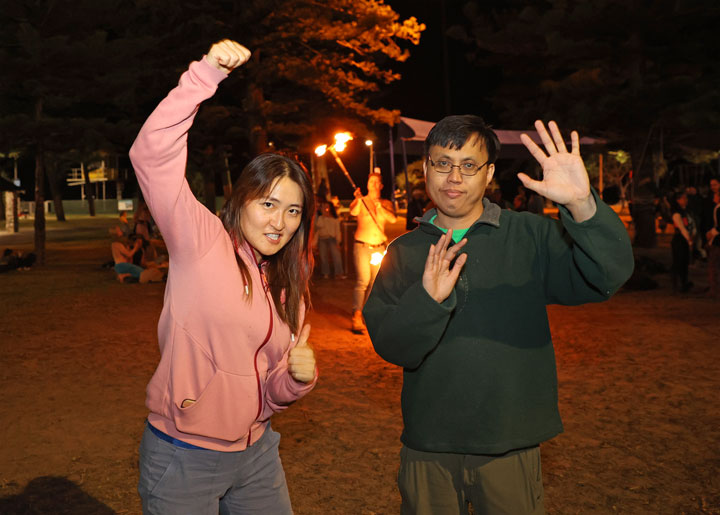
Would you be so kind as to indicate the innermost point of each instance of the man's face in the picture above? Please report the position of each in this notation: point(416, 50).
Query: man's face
point(458, 197)
point(374, 184)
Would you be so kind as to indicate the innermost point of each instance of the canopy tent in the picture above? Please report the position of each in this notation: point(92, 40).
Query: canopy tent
point(410, 135)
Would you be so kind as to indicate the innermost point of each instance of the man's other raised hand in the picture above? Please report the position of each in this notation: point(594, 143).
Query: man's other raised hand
point(565, 179)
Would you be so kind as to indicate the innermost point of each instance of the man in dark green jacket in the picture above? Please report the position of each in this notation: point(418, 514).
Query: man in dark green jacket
point(460, 304)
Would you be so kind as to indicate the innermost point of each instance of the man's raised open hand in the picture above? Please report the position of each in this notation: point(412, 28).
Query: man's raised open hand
point(565, 179)
point(226, 55)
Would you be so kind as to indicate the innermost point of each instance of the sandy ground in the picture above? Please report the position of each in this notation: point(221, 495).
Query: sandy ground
point(638, 375)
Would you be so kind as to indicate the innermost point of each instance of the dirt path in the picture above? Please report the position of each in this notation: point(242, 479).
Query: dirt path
point(638, 376)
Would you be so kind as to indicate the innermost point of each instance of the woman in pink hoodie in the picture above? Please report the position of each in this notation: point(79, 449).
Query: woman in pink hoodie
point(232, 337)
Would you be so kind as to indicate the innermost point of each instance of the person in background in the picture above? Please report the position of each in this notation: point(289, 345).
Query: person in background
point(142, 220)
point(16, 260)
point(682, 243)
point(130, 264)
point(122, 229)
point(663, 210)
point(233, 343)
point(520, 200)
point(372, 214)
point(535, 203)
point(417, 205)
point(695, 210)
point(712, 237)
point(123, 253)
point(327, 237)
point(708, 206)
point(461, 304)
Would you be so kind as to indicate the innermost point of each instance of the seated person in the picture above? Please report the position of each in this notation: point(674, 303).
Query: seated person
point(122, 255)
point(143, 221)
point(15, 260)
point(122, 229)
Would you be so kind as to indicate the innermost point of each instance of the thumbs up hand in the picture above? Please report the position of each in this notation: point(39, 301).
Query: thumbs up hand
point(301, 360)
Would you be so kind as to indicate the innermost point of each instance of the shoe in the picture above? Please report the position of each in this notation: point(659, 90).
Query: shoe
point(358, 325)
point(343, 276)
point(326, 276)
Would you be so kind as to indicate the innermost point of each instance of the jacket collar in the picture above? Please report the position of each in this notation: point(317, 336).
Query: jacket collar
point(490, 216)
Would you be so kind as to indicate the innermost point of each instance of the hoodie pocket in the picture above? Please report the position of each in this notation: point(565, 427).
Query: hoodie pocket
point(225, 409)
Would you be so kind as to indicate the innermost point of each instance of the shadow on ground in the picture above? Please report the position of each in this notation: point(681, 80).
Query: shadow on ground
point(52, 494)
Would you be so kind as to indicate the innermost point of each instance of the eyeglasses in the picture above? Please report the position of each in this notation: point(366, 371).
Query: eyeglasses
point(445, 166)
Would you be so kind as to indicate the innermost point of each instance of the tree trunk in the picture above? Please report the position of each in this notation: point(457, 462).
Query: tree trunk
point(11, 211)
point(225, 177)
point(39, 207)
point(119, 187)
point(643, 191)
point(39, 194)
point(258, 133)
point(89, 193)
point(256, 118)
point(643, 194)
point(56, 183)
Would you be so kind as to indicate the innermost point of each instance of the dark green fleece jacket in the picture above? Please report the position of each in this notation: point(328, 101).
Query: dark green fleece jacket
point(479, 368)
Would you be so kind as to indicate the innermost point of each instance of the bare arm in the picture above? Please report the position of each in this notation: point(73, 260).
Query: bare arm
point(385, 210)
point(356, 204)
point(680, 226)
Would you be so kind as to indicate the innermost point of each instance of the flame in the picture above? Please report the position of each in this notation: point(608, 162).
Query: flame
point(342, 137)
point(320, 151)
point(376, 258)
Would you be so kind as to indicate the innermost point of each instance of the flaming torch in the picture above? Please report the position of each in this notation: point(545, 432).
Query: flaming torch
point(341, 139)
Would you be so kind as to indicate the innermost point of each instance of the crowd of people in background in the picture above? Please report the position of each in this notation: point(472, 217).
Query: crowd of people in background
point(135, 257)
point(693, 216)
point(694, 220)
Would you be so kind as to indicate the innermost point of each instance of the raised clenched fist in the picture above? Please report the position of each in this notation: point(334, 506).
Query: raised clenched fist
point(226, 55)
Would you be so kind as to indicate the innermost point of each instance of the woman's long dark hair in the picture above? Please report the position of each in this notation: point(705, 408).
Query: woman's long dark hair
point(290, 269)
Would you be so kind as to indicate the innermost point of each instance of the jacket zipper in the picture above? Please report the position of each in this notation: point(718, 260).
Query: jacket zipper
point(265, 341)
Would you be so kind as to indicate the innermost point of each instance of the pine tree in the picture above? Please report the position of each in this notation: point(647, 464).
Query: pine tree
point(65, 85)
point(629, 71)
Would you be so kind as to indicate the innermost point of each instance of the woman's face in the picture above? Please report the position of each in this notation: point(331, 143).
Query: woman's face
point(268, 223)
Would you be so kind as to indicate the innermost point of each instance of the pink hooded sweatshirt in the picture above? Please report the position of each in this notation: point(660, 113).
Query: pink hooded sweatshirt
point(218, 346)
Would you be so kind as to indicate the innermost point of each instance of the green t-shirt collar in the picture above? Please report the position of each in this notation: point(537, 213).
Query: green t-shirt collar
point(457, 235)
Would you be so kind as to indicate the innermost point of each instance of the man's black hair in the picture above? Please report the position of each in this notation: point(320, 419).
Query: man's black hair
point(454, 131)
